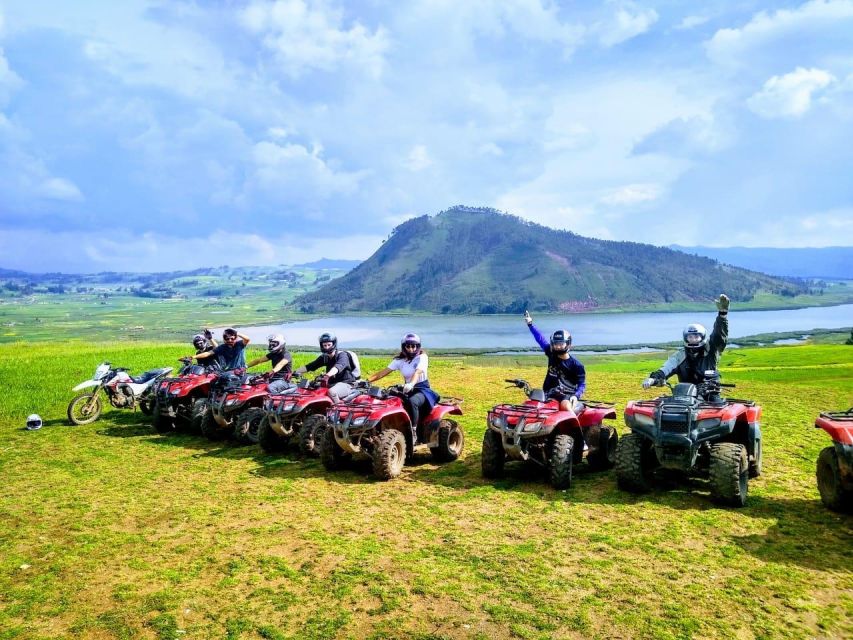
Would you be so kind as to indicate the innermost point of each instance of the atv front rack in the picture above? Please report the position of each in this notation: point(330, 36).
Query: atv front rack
point(843, 416)
point(522, 410)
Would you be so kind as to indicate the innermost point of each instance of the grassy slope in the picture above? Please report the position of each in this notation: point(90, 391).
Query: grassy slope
point(111, 531)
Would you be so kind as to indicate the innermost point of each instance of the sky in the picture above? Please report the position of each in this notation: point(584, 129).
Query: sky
point(152, 136)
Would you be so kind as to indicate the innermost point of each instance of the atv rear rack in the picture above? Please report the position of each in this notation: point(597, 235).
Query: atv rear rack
point(450, 401)
point(522, 409)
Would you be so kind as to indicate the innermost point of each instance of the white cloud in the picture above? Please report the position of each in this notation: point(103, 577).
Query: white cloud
point(733, 45)
point(789, 95)
point(311, 35)
point(633, 194)
point(691, 22)
point(628, 21)
point(126, 251)
point(418, 158)
point(60, 189)
point(687, 137)
point(293, 173)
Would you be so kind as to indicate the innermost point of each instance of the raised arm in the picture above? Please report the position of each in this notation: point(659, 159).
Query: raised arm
point(720, 334)
point(540, 339)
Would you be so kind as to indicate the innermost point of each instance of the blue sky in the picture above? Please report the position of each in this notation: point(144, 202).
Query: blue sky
point(152, 136)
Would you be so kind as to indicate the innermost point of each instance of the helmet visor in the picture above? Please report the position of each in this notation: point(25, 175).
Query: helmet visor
point(274, 344)
point(693, 339)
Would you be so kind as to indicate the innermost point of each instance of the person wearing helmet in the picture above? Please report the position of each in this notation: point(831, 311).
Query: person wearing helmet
point(281, 361)
point(412, 363)
point(204, 342)
point(230, 354)
point(700, 352)
point(339, 367)
point(565, 380)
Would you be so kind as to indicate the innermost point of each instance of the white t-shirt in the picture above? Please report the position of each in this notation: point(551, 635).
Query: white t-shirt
point(408, 368)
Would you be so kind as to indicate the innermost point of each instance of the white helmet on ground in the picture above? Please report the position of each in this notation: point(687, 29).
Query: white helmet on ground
point(34, 422)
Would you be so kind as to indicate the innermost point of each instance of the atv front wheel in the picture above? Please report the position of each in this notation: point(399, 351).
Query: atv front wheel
point(210, 428)
point(269, 440)
point(162, 423)
point(729, 473)
point(84, 409)
point(246, 425)
point(147, 406)
point(604, 456)
point(634, 466)
point(755, 461)
point(832, 491)
point(199, 411)
point(451, 441)
point(310, 435)
point(560, 463)
point(389, 456)
point(493, 456)
point(331, 454)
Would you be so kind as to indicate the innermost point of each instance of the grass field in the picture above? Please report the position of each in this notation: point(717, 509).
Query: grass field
point(112, 531)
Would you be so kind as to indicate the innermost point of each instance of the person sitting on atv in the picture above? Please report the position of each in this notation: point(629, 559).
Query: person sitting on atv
point(204, 342)
point(281, 361)
point(339, 367)
point(700, 352)
point(228, 355)
point(565, 380)
point(412, 363)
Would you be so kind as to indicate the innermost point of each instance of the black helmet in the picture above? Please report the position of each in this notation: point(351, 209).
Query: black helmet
point(328, 337)
point(561, 340)
point(695, 338)
point(275, 342)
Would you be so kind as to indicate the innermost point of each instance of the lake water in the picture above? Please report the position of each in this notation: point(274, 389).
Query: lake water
point(496, 332)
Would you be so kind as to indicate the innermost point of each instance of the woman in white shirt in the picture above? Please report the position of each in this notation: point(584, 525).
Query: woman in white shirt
point(412, 363)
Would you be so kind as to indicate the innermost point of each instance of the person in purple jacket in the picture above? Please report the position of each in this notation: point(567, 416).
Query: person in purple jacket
point(565, 380)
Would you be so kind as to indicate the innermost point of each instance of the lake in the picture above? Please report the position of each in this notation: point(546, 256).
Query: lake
point(496, 332)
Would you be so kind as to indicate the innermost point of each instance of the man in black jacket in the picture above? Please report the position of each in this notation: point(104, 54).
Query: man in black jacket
point(339, 367)
point(700, 352)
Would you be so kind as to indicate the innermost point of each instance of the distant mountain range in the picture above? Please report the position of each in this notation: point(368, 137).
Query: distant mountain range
point(327, 263)
point(825, 262)
point(478, 260)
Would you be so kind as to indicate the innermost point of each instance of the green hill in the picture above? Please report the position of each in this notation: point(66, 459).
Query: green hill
point(472, 260)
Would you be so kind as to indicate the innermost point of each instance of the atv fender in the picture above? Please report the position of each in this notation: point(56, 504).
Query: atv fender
point(753, 435)
point(595, 416)
point(440, 410)
point(844, 453)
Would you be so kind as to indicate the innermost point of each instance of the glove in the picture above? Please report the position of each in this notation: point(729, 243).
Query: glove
point(208, 333)
point(723, 303)
point(649, 382)
point(527, 318)
point(407, 388)
point(323, 381)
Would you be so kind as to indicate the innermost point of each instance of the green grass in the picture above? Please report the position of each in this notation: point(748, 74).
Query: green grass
point(111, 531)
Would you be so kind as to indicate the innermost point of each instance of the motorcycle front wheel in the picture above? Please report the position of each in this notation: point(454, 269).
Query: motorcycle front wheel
point(84, 409)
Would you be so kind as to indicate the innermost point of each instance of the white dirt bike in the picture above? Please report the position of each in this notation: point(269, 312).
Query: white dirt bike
point(123, 392)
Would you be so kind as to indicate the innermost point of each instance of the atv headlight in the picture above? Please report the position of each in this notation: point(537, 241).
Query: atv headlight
point(232, 403)
point(174, 392)
point(496, 422)
point(708, 423)
point(359, 421)
point(533, 427)
point(289, 406)
point(644, 420)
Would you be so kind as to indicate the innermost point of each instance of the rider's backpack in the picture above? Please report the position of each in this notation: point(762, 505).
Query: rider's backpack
point(354, 363)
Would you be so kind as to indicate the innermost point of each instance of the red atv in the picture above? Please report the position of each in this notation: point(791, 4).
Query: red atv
point(301, 412)
point(540, 432)
point(835, 463)
point(374, 424)
point(183, 398)
point(236, 406)
point(694, 430)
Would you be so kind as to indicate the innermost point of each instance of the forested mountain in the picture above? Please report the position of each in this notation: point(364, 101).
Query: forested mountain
point(823, 262)
point(472, 260)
